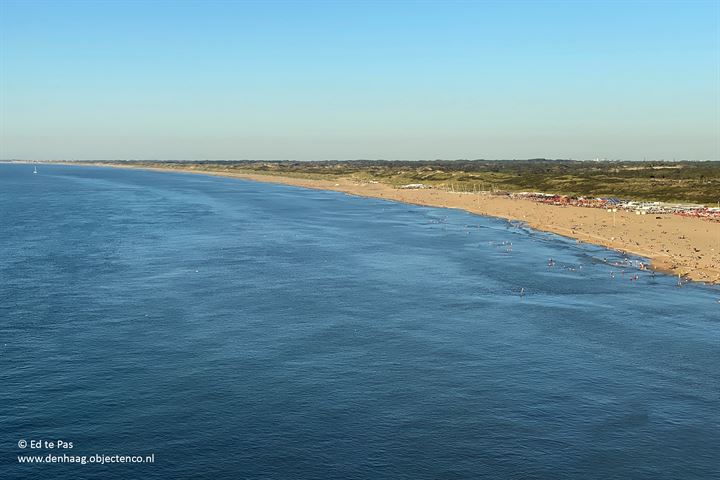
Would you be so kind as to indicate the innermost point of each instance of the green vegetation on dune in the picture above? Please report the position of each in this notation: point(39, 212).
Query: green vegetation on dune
point(691, 182)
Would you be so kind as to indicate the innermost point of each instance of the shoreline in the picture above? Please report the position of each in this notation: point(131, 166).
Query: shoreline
point(684, 246)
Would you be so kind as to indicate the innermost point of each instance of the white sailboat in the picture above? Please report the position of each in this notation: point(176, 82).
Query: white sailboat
point(35, 170)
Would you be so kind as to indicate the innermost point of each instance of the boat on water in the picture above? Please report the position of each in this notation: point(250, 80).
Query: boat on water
point(35, 170)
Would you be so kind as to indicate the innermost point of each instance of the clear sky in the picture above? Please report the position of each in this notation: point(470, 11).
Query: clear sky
point(372, 79)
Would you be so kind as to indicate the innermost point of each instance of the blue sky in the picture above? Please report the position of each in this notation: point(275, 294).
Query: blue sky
point(346, 80)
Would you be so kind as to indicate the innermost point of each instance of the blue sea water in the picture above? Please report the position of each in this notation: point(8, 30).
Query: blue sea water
point(246, 330)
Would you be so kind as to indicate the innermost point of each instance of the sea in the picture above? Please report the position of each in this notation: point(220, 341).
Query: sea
point(181, 326)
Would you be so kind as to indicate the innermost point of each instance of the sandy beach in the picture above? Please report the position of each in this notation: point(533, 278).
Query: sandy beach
point(684, 246)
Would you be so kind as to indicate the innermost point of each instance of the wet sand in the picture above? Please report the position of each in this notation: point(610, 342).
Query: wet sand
point(674, 244)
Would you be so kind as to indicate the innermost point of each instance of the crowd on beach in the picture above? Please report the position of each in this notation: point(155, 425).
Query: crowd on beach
point(610, 203)
point(640, 208)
